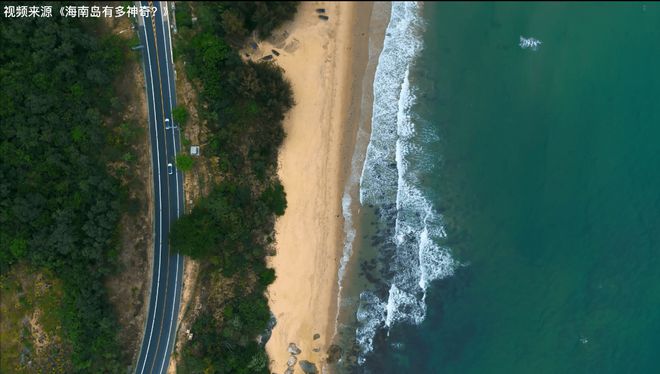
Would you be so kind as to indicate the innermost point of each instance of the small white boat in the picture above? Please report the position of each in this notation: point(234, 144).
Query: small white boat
point(530, 43)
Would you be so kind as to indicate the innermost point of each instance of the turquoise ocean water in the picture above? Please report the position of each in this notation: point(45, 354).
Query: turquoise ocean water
point(510, 198)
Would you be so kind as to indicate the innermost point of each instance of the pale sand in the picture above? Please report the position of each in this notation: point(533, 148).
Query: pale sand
point(324, 61)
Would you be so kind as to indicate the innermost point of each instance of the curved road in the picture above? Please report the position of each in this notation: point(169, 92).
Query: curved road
point(160, 326)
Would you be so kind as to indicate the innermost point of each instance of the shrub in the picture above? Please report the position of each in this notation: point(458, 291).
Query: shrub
point(184, 162)
point(180, 115)
point(275, 198)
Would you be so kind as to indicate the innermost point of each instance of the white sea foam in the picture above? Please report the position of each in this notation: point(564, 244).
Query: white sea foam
point(370, 316)
point(402, 42)
point(390, 177)
point(530, 43)
point(353, 182)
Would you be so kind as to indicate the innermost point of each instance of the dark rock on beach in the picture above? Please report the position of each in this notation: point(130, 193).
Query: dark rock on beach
point(320, 10)
point(325, 18)
point(334, 354)
point(293, 349)
point(308, 367)
point(267, 58)
point(276, 53)
point(317, 336)
point(265, 336)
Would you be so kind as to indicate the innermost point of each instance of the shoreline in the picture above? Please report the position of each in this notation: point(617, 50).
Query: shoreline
point(326, 62)
point(363, 101)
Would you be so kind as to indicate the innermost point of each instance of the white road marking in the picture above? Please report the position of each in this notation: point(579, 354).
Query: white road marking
point(178, 213)
point(160, 191)
point(169, 90)
point(178, 257)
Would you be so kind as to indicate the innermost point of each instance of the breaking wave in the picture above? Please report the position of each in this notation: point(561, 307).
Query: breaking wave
point(409, 251)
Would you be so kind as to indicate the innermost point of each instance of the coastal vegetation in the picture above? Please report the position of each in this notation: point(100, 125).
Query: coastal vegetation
point(64, 156)
point(184, 162)
point(180, 115)
point(230, 231)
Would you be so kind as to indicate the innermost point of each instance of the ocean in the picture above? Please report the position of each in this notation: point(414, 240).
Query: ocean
point(506, 217)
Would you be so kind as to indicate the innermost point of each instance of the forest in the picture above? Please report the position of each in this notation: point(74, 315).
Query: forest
point(59, 204)
point(230, 231)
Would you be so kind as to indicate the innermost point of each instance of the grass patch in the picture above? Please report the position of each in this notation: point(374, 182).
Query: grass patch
point(30, 326)
point(184, 162)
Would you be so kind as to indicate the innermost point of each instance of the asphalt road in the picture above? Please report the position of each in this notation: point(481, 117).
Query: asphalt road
point(160, 326)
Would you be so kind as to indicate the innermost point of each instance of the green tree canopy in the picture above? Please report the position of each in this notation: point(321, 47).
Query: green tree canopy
point(231, 230)
point(275, 198)
point(59, 207)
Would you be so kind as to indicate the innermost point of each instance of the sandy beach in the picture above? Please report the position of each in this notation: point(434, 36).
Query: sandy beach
point(325, 62)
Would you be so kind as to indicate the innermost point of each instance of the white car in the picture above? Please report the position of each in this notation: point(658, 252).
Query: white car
point(167, 124)
point(170, 169)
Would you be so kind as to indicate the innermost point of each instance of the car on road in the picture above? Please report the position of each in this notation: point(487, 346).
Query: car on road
point(170, 169)
point(168, 125)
